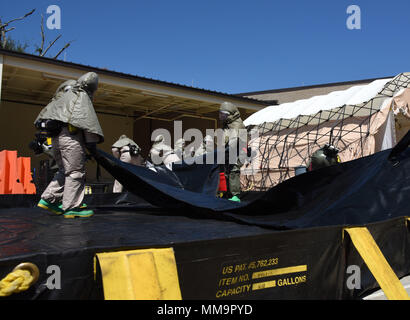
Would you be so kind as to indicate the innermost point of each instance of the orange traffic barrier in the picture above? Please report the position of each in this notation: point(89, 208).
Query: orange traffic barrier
point(15, 185)
point(3, 171)
point(10, 181)
point(24, 174)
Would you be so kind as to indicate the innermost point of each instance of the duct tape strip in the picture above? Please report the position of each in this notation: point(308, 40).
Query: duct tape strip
point(377, 263)
point(149, 274)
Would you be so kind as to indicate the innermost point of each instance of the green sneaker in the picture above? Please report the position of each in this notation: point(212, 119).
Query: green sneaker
point(235, 198)
point(78, 212)
point(55, 208)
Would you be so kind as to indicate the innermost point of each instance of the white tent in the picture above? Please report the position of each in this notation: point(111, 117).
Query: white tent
point(359, 121)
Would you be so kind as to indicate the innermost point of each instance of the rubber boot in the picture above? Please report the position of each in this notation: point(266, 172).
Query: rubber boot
point(54, 208)
point(78, 213)
point(235, 198)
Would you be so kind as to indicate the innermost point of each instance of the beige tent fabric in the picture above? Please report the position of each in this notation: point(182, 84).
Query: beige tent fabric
point(401, 109)
point(401, 103)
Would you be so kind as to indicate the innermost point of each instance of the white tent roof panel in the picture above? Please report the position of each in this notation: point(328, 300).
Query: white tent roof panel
point(352, 96)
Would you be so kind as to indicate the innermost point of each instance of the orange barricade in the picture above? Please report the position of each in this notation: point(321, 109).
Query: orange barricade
point(3, 171)
point(24, 174)
point(15, 185)
point(13, 173)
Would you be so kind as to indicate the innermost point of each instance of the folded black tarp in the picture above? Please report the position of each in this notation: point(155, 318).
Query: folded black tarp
point(370, 189)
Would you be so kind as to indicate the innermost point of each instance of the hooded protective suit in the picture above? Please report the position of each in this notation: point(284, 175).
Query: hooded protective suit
point(232, 126)
point(42, 143)
point(126, 150)
point(125, 141)
point(71, 107)
point(75, 107)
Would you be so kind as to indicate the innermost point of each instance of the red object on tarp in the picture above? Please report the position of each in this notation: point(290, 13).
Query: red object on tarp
point(222, 182)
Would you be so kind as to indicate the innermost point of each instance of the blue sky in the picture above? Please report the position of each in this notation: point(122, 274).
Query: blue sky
point(227, 46)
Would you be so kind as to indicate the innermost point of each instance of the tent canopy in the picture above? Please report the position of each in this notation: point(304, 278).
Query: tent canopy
point(359, 121)
point(373, 95)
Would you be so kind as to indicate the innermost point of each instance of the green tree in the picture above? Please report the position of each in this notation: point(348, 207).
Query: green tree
point(15, 45)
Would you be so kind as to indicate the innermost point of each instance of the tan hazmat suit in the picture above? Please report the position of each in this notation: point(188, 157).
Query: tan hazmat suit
point(121, 150)
point(80, 126)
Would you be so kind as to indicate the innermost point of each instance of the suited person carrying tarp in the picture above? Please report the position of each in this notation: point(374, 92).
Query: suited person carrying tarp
point(71, 121)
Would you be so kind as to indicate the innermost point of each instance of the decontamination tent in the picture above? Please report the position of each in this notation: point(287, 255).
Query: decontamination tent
point(359, 121)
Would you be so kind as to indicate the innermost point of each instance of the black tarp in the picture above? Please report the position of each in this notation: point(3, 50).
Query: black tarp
point(369, 189)
point(219, 244)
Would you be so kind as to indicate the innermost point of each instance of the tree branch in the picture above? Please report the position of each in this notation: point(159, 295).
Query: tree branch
point(3, 38)
point(51, 43)
point(65, 47)
point(43, 38)
point(21, 18)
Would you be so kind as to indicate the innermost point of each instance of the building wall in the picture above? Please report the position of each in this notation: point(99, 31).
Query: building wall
point(17, 127)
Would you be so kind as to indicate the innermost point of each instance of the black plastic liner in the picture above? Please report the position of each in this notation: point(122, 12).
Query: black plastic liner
point(370, 189)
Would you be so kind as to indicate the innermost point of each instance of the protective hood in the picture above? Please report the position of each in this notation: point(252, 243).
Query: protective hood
point(233, 121)
point(87, 82)
point(324, 157)
point(124, 141)
point(64, 87)
point(159, 149)
point(75, 106)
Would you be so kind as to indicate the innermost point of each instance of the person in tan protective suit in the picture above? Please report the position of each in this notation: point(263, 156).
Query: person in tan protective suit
point(127, 151)
point(71, 120)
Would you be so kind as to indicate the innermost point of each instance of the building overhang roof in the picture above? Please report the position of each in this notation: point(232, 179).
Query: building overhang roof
point(32, 79)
